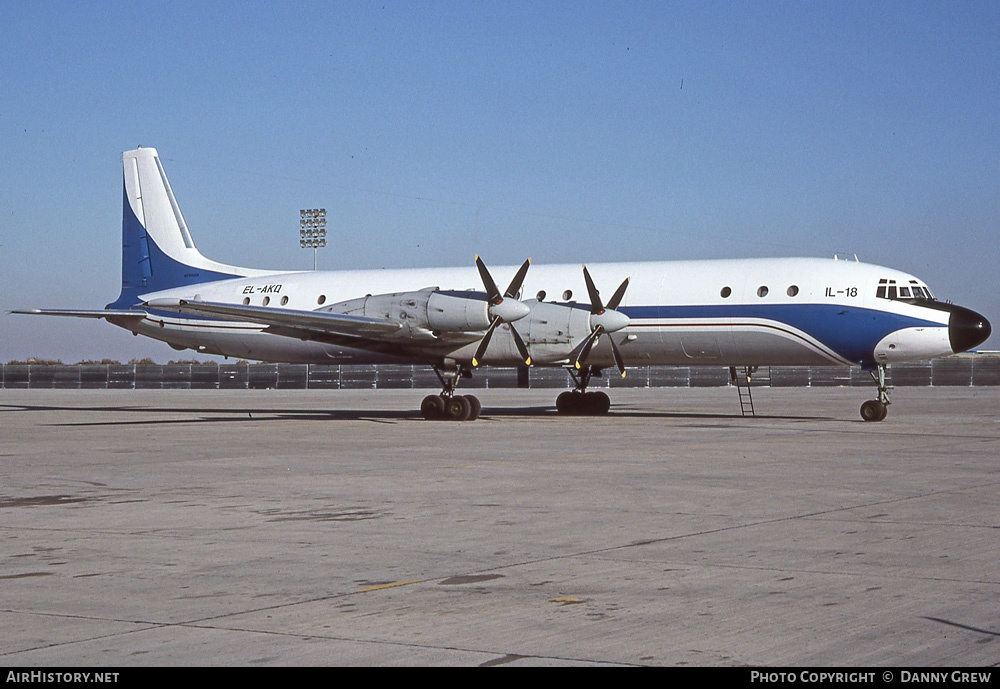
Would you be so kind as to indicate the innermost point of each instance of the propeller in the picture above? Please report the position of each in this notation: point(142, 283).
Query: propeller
point(503, 308)
point(603, 319)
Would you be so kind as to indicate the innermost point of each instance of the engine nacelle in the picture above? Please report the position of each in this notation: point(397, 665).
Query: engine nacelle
point(425, 313)
point(458, 311)
point(551, 331)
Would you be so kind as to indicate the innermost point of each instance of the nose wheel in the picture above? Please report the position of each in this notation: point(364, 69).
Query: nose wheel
point(874, 410)
point(877, 409)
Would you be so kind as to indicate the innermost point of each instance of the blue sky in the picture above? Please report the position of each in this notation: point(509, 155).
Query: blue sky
point(432, 131)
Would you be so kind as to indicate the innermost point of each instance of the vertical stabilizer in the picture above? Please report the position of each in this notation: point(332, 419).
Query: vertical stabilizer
point(157, 249)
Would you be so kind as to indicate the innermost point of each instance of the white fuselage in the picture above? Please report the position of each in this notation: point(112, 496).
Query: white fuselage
point(786, 311)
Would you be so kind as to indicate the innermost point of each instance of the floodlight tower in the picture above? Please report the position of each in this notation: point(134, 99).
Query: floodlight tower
point(312, 230)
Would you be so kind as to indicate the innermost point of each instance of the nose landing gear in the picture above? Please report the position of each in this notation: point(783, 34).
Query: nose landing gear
point(877, 409)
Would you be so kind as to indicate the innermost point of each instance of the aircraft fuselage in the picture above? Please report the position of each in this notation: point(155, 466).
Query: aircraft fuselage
point(758, 312)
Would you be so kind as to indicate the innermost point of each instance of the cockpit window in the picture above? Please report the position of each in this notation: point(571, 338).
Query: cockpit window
point(887, 289)
point(920, 292)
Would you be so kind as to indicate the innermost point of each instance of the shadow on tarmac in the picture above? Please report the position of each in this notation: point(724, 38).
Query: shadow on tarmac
point(132, 415)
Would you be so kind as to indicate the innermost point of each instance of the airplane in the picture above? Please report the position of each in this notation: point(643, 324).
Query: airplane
point(722, 313)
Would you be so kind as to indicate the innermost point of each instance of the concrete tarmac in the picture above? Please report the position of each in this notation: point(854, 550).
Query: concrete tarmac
point(338, 528)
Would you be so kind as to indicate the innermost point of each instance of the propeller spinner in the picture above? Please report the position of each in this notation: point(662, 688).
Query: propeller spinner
point(603, 319)
point(503, 308)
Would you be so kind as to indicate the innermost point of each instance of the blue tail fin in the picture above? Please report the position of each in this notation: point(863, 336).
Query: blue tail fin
point(157, 250)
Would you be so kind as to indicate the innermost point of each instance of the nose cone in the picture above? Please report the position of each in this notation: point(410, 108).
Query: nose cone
point(967, 329)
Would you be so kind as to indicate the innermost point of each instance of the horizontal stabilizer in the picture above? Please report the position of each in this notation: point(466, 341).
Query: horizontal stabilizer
point(313, 321)
point(84, 313)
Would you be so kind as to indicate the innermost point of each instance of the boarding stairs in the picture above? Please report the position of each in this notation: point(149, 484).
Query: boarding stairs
point(740, 377)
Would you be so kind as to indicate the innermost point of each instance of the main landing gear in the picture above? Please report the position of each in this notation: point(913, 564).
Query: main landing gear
point(580, 402)
point(448, 406)
point(877, 409)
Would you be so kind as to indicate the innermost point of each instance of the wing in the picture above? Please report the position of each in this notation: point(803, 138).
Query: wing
point(338, 328)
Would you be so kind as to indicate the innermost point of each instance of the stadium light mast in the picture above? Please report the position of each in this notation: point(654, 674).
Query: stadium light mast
point(312, 230)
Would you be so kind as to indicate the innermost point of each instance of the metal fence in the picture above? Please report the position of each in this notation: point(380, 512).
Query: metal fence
point(963, 370)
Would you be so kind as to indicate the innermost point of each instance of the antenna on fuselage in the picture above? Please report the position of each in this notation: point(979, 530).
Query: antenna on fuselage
point(836, 256)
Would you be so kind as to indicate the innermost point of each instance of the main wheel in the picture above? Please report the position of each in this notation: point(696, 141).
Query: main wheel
point(598, 402)
point(873, 410)
point(432, 407)
point(565, 403)
point(458, 408)
point(476, 407)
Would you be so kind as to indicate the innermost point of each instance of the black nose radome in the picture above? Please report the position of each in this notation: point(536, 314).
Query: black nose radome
point(966, 328)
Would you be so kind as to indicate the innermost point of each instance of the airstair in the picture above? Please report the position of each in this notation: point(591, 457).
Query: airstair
point(740, 377)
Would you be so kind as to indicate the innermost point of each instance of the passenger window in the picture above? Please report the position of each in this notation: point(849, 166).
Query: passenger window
point(541, 295)
point(726, 291)
point(321, 300)
point(284, 300)
point(567, 295)
point(762, 291)
point(265, 301)
point(792, 291)
point(246, 300)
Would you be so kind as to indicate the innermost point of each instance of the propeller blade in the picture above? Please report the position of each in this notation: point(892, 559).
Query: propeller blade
point(515, 284)
point(616, 298)
point(520, 346)
point(492, 292)
point(596, 306)
point(619, 362)
point(605, 319)
point(588, 345)
point(485, 342)
point(508, 312)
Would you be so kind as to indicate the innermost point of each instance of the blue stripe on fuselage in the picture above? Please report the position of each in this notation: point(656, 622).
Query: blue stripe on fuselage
point(851, 332)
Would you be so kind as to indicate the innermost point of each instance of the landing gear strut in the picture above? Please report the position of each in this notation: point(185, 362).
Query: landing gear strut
point(877, 409)
point(579, 401)
point(448, 406)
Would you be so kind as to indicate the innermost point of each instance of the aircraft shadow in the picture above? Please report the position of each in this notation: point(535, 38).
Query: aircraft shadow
point(133, 415)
